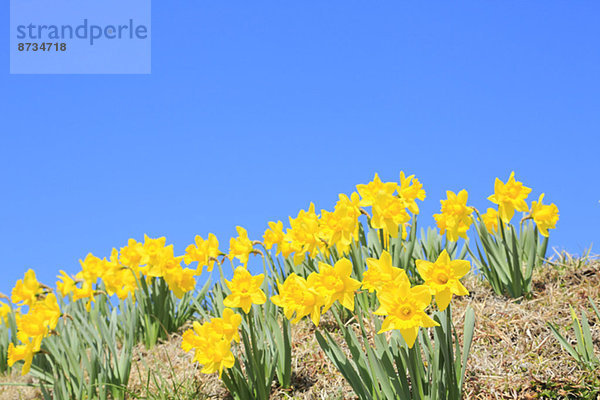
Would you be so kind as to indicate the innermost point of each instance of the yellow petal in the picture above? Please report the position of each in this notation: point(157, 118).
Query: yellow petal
point(443, 298)
point(410, 335)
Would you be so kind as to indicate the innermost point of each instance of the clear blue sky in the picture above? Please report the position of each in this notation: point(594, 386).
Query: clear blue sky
point(254, 109)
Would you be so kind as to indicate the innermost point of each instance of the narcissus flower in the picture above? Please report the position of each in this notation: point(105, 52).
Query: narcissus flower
point(380, 272)
point(455, 218)
point(389, 212)
point(205, 252)
point(153, 249)
point(335, 284)
point(340, 227)
point(211, 342)
point(371, 190)
point(22, 352)
point(132, 255)
point(403, 308)
point(240, 247)
point(180, 280)
point(245, 290)
point(27, 289)
point(545, 216)
point(442, 277)
point(296, 296)
point(304, 234)
point(274, 235)
point(410, 190)
point(41, 318)
point(490, 220)
point(66, 284)
point(509, 196)
point(228, 325)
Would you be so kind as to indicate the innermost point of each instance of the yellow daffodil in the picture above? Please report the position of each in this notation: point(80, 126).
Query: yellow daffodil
point(296, 296)
point(85, 292)
point(205, 252)
point(228, 325)
point(240, 247)
point(180, 280)
point(211, 342)
point(403, 308)
point(442, 277)
point(410, 190)
point(509, 196)
point(304, 234)
point(27, 289)
point(389, 212)
point(545, 216)
point(335, 284)
point(369, 192)
point(216, 357)
point(380, 272)
point(274, 235)
point(490, 220)
point(153, 249)
point(23, 352)
point(132, 255)
point(210, 349)
point(66, 284)
point(340, 227)
point(245, 290)
point(455, 218)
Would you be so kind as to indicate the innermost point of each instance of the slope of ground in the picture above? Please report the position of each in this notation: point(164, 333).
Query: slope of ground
point(514, 355)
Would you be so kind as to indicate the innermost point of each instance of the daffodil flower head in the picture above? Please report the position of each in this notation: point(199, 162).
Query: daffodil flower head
point(371, 190)
point(304, 234)
point(27, 289)
point(245, 290)
point(410, 190)
point(66, 284)
point(340, 227)
point(274, 235)
point(211, 349)
point(389, 212)
point(205, 252)
point(455, 218)
point(240, 247)
point(153, 249)
point(335, 284)
point(24, 352)
point(545, 216)
point(297, 296)
point(442, 277)
point(403, 308)
point(180, 280)
point(490, 220)
point(380, 272)
point(228, 325)
point(509, 196)
point(132, 255)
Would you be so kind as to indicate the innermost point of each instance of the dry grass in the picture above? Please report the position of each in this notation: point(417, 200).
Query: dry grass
point(514, 355)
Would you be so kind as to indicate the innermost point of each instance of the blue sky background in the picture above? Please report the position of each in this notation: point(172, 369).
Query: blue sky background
point(255, 109)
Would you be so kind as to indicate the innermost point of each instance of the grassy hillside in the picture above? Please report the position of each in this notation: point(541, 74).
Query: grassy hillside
point(514, 354)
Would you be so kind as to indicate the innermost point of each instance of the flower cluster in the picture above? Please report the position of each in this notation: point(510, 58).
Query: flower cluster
point(36, 324)
point(311, 233)
point(317, 293)
point(212, 341)
point(326, 236)
point(455, 218)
